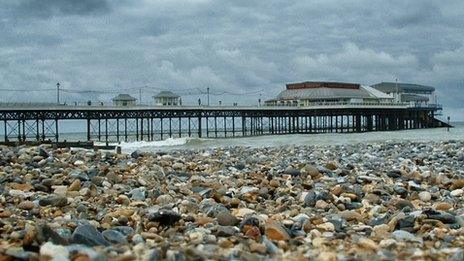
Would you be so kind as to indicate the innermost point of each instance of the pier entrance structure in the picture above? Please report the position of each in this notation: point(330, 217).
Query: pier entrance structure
point(306, 94)
point(116, 123)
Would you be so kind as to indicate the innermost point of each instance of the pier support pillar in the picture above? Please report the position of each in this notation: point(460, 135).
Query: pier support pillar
point(199, 126)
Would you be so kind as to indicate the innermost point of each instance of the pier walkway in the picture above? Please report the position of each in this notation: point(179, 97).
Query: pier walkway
point(40, 122)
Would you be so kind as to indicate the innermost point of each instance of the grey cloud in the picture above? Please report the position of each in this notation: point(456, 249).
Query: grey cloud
point(235, 46)
point(48, 8)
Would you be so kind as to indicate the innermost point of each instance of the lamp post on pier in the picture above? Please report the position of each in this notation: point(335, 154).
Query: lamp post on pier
point(58, 93)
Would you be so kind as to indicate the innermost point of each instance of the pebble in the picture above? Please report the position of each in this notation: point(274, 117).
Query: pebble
point(224, 218)
point(258, 248)
point(368, 244)
point(54, 200)
point(444, 206)
point(382, 200)
point(457, 192)
point(26, 205)
point(54, 252)
point(406, 236)
point(89, 236)
point(114, 236)
point(425, 196)
point(275, 231)
point(165, 217)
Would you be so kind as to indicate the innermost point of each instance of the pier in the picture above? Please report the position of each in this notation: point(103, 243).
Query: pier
point(40, 123)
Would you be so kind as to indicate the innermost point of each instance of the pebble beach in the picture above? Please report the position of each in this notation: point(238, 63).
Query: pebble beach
point(390, 200)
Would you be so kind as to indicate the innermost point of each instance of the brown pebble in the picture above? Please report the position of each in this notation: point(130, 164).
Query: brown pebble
point(457, 184)
point(258, 248)
point(369, 244)
point(275, 231)
point(204, 220)
point(26, 205)
point(351, 215)
point(75, 185)
point(5, 214)
point(443, 206)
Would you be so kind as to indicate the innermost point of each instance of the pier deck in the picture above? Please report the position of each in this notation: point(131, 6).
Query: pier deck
point(40, 122)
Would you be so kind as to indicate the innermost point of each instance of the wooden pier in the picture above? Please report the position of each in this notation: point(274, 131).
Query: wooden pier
point(117, 124)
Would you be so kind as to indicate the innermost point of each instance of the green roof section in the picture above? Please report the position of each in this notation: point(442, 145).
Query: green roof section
point(389, 87)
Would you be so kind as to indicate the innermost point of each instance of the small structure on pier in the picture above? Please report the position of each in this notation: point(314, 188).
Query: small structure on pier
point(414, 94)
point(124, 100)
point(323, 93)
point(167, 98)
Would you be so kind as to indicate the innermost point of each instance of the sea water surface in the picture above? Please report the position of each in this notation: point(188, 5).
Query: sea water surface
point(435, 134)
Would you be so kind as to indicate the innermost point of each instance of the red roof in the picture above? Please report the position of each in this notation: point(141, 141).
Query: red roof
point(312, 85)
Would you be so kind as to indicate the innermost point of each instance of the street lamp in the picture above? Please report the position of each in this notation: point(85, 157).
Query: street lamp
point(58, 93)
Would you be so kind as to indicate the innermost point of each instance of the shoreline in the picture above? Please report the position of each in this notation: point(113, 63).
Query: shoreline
point(392, 200)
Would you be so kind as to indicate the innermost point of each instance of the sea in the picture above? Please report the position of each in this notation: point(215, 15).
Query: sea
point(424, 135)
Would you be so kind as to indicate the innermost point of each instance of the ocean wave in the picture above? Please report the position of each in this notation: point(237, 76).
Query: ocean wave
point(169, 142)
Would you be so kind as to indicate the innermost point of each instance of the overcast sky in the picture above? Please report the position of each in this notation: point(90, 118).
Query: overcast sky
point(231, 46)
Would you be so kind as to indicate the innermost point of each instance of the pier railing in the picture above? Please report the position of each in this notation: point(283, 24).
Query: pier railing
point(40, 122)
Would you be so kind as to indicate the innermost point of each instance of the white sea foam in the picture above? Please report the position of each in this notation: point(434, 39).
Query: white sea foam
point(437, 134)
point(170, 142)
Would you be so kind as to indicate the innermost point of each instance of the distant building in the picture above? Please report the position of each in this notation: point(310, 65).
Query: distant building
point(124, 100)
point(167, 98)
point(321, 93)
point(415, 94)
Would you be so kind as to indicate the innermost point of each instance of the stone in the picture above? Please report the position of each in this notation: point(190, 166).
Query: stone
point(444, 217)
point(425, 196)
point(311, 171)
point(458, 256)
point(443, 206)
point(275, 231)
point(55, 201)
point(457, 192)
point(138, 194)
point(164, 200)
point(350, 215)
point(402, 203)
point(247, 223)
point(406, 222)
point(249, 189)
point(89, 236)
point(242, 212)
point(60, 190)
point(224, 218)
point(75, 185)
point(114, 236)
point(42, 152)
point(327, 256)
point(49, 251)
point(321, 204)
point(367, 243)
point(457, 184)
point(178, 166)
point(327, 226)
point(165, 217)
point(405, 236)
point(292, 172)
point(394, 174)
point(258, 248)
point(26, 205)
point(337, 190)
point(331, 165)
point(312, 197)
point(204, 220)
point(381, 231)
point(45, 233)
point(225, 231)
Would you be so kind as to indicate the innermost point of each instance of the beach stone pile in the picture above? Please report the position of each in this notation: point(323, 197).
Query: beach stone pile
point(379, 201)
